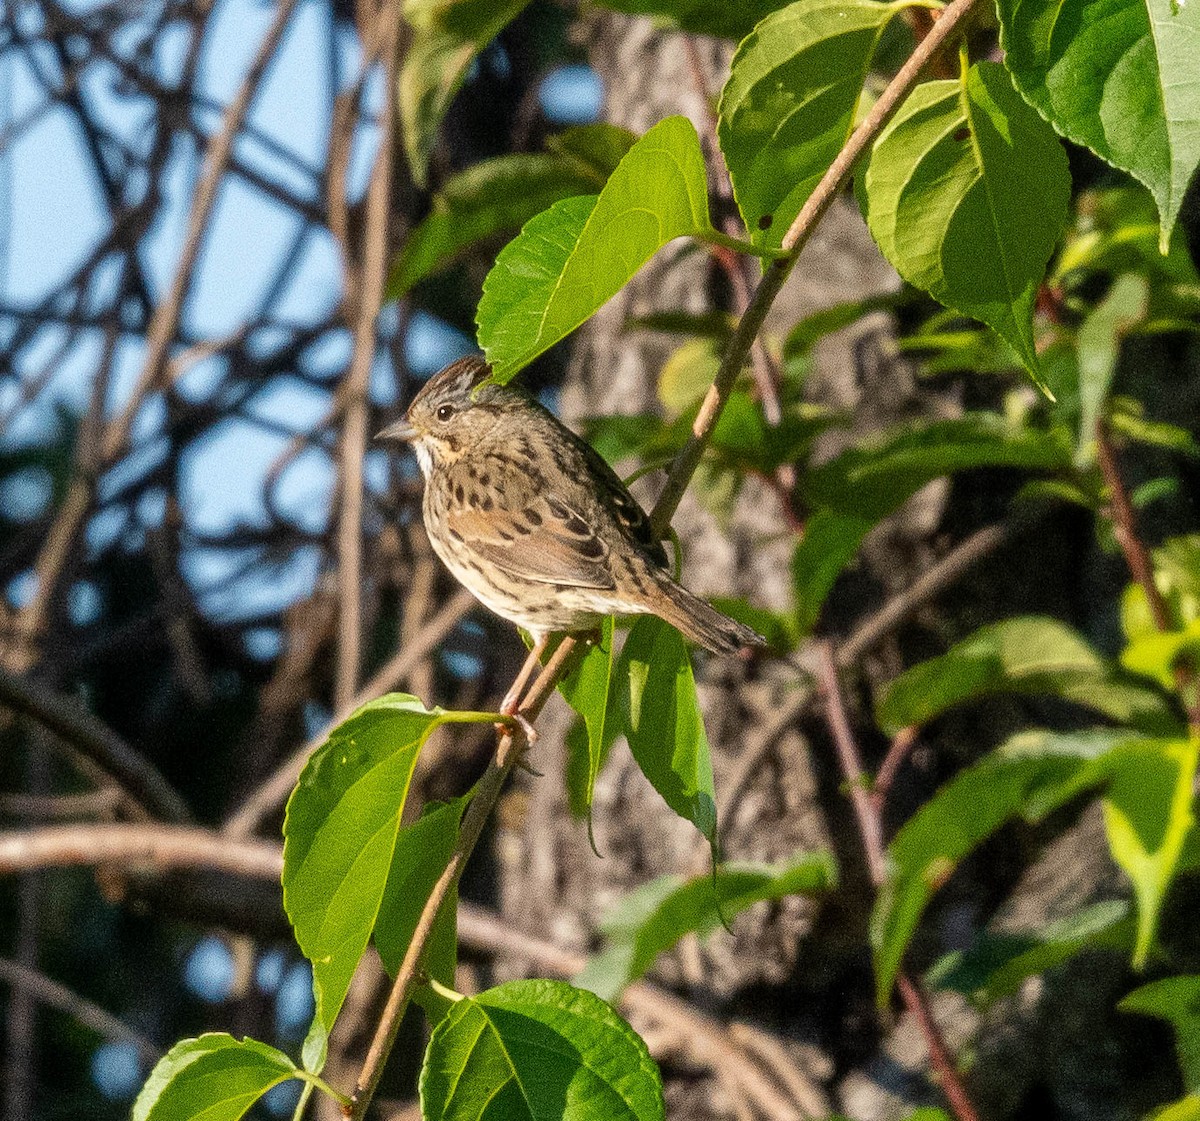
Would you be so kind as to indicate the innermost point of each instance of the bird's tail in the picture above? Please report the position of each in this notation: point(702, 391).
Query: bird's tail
point(700, 622)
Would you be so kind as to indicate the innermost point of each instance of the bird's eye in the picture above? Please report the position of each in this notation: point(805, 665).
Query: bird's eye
point(445, 412)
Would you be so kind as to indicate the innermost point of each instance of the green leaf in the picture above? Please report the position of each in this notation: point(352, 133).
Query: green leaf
point(704, 17)
point(1029, 775)
point(871, 480)
point(650, 920)
point(967, 192)
point(1099, 343)
point(586, 690)
point(1148, 816)
point(533, 1050)
point(596, 148)
point(422, 852)
point(1031, 655)
point(446, 37)
point(1176, 1000)
point(997, 965)
point(571, 259)
point(790, 102)
point(341, 834)
point(830, 542)
point(492, 197)
point(1186, 1109)
point(808, 331)
point(214, 1077)
point(744, 440)
point(687, 373)
point(1118, 76)
point(1157, 653)
point(661, 719)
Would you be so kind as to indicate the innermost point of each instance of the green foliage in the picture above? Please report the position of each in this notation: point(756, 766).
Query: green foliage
point(790, 103)
point(1147, 818)
point(998, 964)
point(214, 1077)
point(870, 480)
point(953, 181)
point(706, 17)
point(587, 690)
point(1176, 1000)
point(538, 1049)
point(445, 36)
point(650, 920)
point(1118, 76)
point(342, 843)
point(501, 195)
point(1031, 655)
point(567, 262)
point(830, 541)
point(661, 720)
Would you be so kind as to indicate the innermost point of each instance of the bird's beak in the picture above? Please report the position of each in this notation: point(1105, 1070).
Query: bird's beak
point(401, 430)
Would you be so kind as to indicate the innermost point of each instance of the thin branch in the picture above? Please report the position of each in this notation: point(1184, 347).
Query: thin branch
point(92, 737)
point(1125, 529)
point(79, 1008)
point(368, 298)
point(870, 829)
point(510, 744)
point(160, 847)
point(793, 243)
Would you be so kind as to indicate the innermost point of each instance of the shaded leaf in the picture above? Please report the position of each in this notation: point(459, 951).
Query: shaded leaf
point(953, 181)
point(650, 920)
point(1029, 775)
point(492, 197)
point(1118, 76)
point(871, 480)
point(534, 1050)
point(586, 690)
point(790, 103)
point(1031, 655)
point(1176, 1000)
point(830, 541)
point(421, 854)
point(1099, 343)
point(571, 259)
point(446, 36)
point(997, 965)
point(596, 148)
point(214, 1076)
point(661, 719)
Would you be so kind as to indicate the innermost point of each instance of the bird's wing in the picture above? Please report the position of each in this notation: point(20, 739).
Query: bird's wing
point(545, 541)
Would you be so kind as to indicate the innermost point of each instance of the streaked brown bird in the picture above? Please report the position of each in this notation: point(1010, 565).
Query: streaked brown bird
point(530, 518)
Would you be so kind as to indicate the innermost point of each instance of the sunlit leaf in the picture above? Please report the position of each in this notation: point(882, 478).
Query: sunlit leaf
point(340, 838)
point(586, 690)
point(1031, 655)
point(571, 259)
point(1148, 816)
point(214, 1077)
point(790, 102)
point(1118, 76)
point(532, 1050)
point(953, 185)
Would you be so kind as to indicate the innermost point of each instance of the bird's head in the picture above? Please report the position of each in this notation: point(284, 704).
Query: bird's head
point(453, 411)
